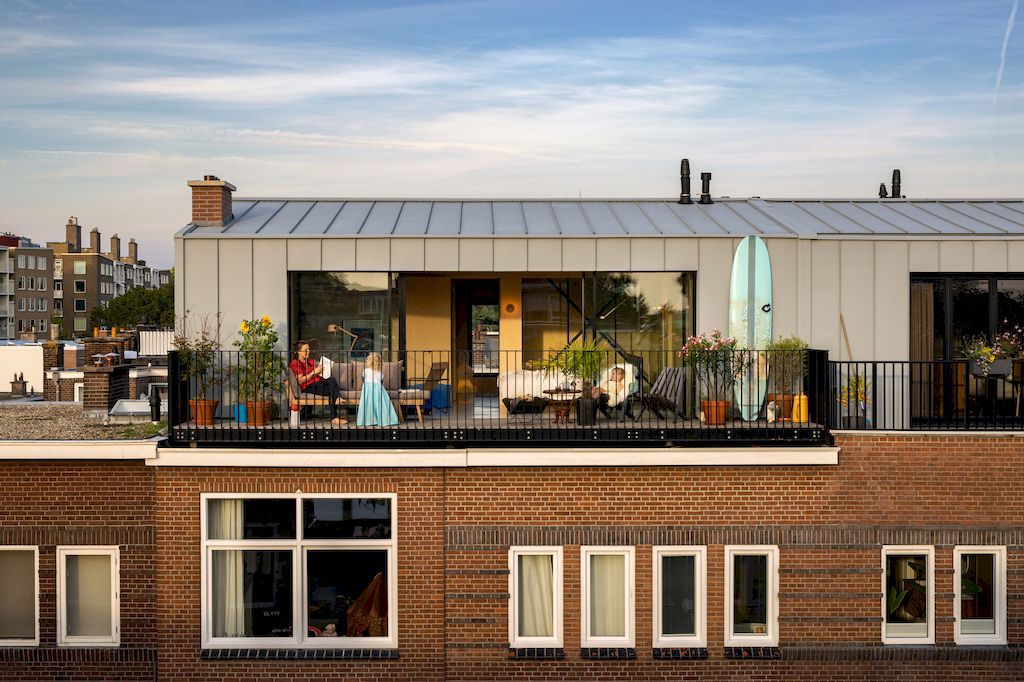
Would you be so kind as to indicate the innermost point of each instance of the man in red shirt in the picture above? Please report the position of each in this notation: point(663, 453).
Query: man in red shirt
point(310, 380)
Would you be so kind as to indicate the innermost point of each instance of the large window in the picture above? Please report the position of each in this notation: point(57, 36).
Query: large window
point(79, 267)
point(947, 310)
point(312, 571)
point(751, 587)
point(908, 594)
point(979, 584)
point(88, 594)
point(19, 596)
point(607, 596)
point(535, 609)
point(360, 302)
point(680, 579)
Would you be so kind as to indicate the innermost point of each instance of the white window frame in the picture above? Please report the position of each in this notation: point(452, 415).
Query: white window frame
point(299, 548)
point(629, 640)
point(929, 552)
point(700, 613)
point(114, 552)
point(515, 641)
point(771, 636)
point(79, 267)
point(998, 601)
point(35, 553)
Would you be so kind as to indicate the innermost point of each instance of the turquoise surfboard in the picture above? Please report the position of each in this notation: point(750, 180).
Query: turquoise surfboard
point(750, 321)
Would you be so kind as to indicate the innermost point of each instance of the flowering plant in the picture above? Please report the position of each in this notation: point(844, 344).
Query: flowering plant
point(716, 361)
point(854, 394)
point(260, 367)
point(1007, 344)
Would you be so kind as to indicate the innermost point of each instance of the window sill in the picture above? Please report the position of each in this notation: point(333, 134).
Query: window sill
point(753, 652)
point(608, 653)
point(300, 654)
point(680, 653)
point(536, 654)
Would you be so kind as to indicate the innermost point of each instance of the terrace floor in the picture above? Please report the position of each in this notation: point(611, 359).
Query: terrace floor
point(483, 421)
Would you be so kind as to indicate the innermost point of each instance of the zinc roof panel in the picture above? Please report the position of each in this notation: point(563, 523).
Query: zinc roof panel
point(476, 219)
point(540, 219)
point(605, 220)
point(1012, 212)
point(571, 219)
point(508, 218)
point(758, 220)
point(923, 213)
point(664, 218)
point(255, 218)
point(319, 218)
point(819, 216)
point(726, 218)
point(983, 221)
point(953, 222)
point(446, 218)
point(901, 221)
point(413, 219)
point(285, 220)
point(350, 219)
point(632, 219)
point(382, 218)
point(696, 219)
point(871, 222)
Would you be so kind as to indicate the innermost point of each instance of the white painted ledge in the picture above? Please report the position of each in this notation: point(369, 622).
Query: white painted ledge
point(78, 449)
point(495, 457)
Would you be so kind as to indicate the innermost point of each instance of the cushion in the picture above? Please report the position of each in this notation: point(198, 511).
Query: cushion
point(342, 373)
point(414, 394)
point(392, 375)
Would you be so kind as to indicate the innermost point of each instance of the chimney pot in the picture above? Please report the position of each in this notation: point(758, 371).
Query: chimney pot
point(211, 201)
point(73, 235)
point(94, 240)
point(684, 180)
point(133, 251)
point(705, 189)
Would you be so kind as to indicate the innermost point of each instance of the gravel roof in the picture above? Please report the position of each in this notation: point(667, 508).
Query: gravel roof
point(49, 421)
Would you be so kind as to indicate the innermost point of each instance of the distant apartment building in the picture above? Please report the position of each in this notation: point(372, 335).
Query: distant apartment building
point(7, 304)
point(32, 278)
point(86, 278)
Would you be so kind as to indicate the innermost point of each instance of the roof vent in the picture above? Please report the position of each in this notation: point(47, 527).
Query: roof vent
point(705, 189)
point(684, 180)
point(883, 193)
point(896, 185)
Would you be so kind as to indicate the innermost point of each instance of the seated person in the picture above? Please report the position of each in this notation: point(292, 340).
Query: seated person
point(612, 391)
point(309, 376)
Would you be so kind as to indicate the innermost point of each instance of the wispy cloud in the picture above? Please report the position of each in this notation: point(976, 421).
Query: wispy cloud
point(1002, 51)
point(15, 43)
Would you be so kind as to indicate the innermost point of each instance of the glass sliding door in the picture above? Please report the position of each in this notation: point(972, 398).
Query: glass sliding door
point(363, 303)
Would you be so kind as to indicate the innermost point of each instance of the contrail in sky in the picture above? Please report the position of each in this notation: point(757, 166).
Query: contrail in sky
point(1002, 53)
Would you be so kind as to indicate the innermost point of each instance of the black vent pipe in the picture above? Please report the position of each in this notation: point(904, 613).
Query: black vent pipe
point(883, 193)
point(705, 189)
point(896, 193)
point(684, 181)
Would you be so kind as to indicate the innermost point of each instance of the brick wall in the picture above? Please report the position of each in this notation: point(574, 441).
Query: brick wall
point(49, 504)
point(455, 527)
point(104, 386)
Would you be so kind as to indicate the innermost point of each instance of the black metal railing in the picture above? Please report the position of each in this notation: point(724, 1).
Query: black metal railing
point(431, 398)
point(925, 395)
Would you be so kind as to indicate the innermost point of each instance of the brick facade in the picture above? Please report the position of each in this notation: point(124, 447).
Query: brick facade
point(455, 527)
point(104, 386)
point(50, 504)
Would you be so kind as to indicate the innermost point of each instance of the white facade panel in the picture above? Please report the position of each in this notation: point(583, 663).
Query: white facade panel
point(476, 255)
point(857, 296)
point(785, 270)
point(544, 255)
point(338, 255)
point(612, 255)
point(269, 285)
point(442, 255)
point(579, 255)
point(647, 254)
point(892, 301)
point(924, 256)
point(681, 254)
point(510, 255)
point(956, 256)
point(990, 256)
point(234, 282)
point(373, 255)
point(825, 297)
point(201, 292)
point(304, 255)
point(713, 284)
point(407, 255)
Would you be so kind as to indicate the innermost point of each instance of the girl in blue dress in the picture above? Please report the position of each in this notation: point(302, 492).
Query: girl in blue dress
point(375, 408)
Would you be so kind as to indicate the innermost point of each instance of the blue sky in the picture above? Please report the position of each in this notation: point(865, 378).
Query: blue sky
point(108, 107)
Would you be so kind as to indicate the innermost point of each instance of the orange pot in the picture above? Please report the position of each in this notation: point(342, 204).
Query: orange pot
point(783, 405)
point(257, 412)
point(715, 411)
point(203, 410)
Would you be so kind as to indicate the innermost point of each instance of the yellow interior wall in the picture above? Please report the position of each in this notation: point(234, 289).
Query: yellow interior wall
point(428, 322)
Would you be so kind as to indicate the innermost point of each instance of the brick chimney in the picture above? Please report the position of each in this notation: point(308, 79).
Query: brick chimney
point(94, 240)
point(211, 201)
point(73, 235)
point(115, 248)
point(133, 252)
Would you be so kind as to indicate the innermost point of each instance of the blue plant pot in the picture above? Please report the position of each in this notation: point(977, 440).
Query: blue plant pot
point(240, 414)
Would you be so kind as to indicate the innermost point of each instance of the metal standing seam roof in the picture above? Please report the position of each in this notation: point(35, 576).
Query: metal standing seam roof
point(255, 217)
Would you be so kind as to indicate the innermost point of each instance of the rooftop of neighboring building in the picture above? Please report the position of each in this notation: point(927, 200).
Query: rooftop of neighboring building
point(20, 420)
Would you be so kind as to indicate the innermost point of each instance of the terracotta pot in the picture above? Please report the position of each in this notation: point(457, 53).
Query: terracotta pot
point(783, 405)
point(257, 412)
point(715, 411)
point(203, 410)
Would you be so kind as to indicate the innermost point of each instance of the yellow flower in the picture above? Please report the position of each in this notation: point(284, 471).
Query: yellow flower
point(265, 320)
point(991, 358)
point(244, 327)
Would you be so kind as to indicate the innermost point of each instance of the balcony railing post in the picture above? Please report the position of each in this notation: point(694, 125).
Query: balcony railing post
point(176, 393)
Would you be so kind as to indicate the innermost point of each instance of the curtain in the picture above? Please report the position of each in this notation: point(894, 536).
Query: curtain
point(536, 595)
point(88, 603)
point(607, 595)
point(226, 519)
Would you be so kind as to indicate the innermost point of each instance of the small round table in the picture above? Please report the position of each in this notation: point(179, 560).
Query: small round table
point(562, 399)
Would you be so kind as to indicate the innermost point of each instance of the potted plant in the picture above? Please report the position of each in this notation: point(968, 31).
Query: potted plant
point(197, 349)
point(854, 398)
point(581, 360)
point(787, 357)
point(259, 367)
point(716, 365)
point(996, 358)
